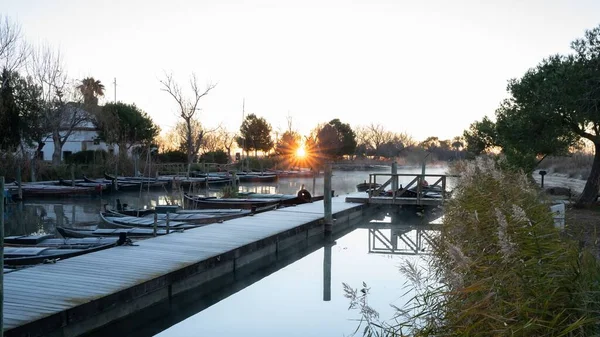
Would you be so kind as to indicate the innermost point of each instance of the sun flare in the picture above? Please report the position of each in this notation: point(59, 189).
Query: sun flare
point(300, 152)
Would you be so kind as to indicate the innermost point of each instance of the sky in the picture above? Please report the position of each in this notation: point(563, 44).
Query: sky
point(425, 68)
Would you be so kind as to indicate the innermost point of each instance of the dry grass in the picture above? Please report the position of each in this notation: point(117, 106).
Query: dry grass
point(583, 225)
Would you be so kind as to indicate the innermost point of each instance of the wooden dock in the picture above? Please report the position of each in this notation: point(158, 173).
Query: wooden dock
point(419, 184)
point(84, 293)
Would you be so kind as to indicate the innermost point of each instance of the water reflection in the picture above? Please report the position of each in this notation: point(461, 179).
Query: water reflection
point(286, 301)
point(299, 295)
point(408, 233)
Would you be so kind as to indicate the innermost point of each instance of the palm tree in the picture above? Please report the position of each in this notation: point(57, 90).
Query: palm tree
point(91, 89)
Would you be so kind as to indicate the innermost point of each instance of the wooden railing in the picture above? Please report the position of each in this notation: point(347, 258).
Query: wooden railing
point(418, 180)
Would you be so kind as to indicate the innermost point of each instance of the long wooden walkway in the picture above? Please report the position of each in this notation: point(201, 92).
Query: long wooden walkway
point(80, 294)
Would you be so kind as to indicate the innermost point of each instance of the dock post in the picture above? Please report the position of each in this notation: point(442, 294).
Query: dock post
point(314, 181)
point(168, 218)
point(2, 254)
point(327, 201)
point(155, 223)
point(72, 175)
point(394, 179)
point(19, 183)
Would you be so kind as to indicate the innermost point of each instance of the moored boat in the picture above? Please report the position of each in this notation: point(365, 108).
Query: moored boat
point(365, 186)
point(108, 232)
point(31, 249)
point(257, 177)
point(33, 190)
point(112, 220)
point(256, 205)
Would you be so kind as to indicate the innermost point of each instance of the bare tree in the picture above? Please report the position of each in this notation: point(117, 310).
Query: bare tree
point(228, 139)
point(13, 49)
point(190, 135)
point(188, 105)
point(62, 111)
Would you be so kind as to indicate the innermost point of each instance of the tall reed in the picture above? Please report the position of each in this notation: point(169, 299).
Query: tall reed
point(500, 267)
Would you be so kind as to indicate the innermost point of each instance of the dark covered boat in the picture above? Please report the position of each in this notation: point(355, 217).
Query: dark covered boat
point(66, 232)
point(140, 182)
point(33, 190)
point(365, 186)
point(114, 220)
point(255, 205)
point(124, 209)
point(121, 185)
point(257, 177)
point(35, 249)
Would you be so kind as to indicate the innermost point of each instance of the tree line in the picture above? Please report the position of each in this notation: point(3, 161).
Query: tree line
point(40, 102)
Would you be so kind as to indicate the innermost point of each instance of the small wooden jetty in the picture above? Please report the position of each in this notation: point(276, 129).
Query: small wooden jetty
point(421, 185)
point(81, 294)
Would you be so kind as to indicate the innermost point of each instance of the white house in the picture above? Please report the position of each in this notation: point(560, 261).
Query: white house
point(83, 137)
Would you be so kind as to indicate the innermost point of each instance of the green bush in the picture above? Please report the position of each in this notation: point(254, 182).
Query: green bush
point(172, 157)
point(87, 157)
point(218, 157)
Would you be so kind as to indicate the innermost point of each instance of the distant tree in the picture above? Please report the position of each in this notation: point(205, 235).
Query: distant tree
point(430, 143)
point(375, 137)
point(227, 138)
point(172, 156)
point(329, 144)
point(125, 125)
point(90, 89)
point(457, 144)
point(255, 134)
point(218, 157)
point(346, 136)
point(187, 110)
point(211, 143)
point(288, 144)
point(188, 134)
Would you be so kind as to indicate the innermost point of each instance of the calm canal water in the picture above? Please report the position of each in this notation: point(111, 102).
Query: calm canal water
point(293, 300)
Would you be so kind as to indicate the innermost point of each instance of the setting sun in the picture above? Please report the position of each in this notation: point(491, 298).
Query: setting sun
point(300, 152)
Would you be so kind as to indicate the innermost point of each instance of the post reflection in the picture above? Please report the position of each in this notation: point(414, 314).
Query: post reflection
point(327, 271)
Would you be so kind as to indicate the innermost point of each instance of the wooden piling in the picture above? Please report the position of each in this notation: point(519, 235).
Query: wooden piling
point(394, 179)
point(155, 223)
point(19, 183)
point(328, 218)
point(168, 220)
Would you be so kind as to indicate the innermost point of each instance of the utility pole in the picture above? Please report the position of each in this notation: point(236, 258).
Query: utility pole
point(115, 83)
point(244, 137)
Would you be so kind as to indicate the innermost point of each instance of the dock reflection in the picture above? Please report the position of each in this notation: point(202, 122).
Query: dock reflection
point(407, 233)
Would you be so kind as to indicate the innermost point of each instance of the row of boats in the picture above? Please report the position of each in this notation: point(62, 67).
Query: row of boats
point(111, 183)
point(123, 224)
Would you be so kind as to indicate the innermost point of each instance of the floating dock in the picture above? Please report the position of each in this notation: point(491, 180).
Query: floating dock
point(85, 293)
